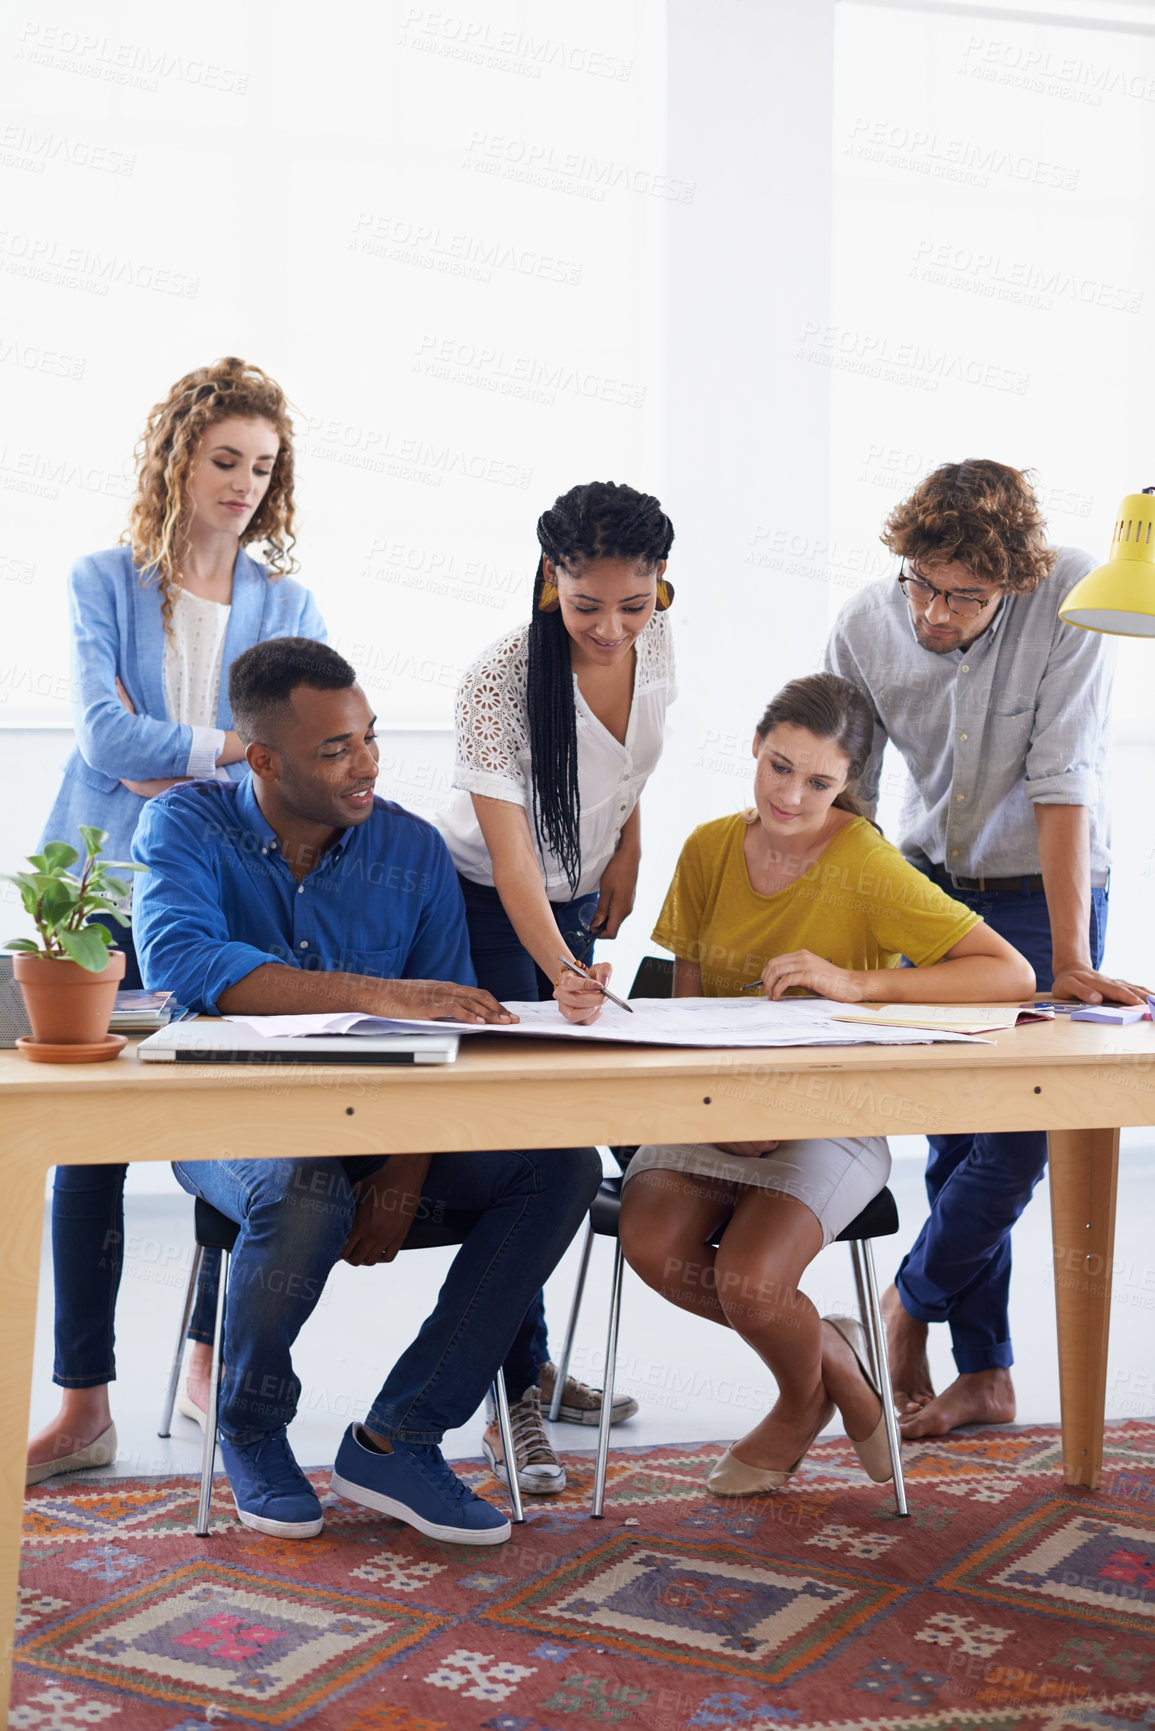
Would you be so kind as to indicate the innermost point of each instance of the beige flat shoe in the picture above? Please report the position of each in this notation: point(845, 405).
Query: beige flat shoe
point(730, 1477)
point(873, 1450)
point(100, 1453)
point(188, 1408)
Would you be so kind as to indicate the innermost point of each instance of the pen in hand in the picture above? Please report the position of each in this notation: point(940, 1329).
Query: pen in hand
point(583, 973)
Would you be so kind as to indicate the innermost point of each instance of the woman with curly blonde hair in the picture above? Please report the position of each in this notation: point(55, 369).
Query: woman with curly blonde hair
point(156, 624)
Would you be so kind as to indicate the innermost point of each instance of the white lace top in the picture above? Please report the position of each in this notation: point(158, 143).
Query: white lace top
point(493, 758)
point(192, 676)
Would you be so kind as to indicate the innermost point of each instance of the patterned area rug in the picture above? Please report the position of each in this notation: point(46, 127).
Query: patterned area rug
point(1004, 1602)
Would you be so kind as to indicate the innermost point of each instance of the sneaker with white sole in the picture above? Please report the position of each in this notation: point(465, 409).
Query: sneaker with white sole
point(414, 1483)
point(581, 1404)
point(271, 1492)
point(539, 1472)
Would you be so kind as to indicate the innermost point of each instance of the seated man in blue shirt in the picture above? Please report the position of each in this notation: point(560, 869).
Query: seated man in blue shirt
point(298, 891)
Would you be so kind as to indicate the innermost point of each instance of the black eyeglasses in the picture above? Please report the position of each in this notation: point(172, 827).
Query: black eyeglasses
point(917, 588)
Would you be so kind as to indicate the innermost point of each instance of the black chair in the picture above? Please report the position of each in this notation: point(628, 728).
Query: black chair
point(215, 1231)
point(879, 1219)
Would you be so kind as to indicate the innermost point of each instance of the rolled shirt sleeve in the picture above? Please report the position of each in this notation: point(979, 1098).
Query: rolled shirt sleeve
point(1070, 717)
point(207, 745)
point(178, 916)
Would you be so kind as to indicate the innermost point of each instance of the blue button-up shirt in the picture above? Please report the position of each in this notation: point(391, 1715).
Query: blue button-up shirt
point(218, 900)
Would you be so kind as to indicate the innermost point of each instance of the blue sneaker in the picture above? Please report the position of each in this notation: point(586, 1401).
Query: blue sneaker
point(415, 1484)
point(271, 1492)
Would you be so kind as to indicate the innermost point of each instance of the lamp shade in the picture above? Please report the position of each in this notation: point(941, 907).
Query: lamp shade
point(1119, 596)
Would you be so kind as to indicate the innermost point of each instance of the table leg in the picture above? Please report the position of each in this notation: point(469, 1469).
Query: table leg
point(1084, 1174)
point(21, 1231)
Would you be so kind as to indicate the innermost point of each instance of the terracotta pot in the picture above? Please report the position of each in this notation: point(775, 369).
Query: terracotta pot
point(68, 1006)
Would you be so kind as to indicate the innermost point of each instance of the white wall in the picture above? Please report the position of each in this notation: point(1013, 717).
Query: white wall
point(622, 228)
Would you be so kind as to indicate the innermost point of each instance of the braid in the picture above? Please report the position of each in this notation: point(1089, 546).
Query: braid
point(597, 521)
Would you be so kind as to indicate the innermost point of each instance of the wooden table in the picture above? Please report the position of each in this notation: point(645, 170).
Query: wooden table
point(1080, 1082)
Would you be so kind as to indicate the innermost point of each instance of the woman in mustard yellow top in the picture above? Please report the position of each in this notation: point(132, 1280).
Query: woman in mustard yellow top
point(802, 893)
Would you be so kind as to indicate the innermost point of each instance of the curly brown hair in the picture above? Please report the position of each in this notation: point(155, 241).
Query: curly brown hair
point(165, 455)
point(981, 513)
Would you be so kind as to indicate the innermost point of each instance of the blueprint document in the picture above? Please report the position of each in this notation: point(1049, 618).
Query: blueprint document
point(650, 1022)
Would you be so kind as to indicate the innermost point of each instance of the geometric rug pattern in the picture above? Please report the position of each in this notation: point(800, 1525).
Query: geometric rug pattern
point(1004, 1603)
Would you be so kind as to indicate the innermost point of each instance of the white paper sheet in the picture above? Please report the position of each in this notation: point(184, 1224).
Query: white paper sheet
point(746, 1022)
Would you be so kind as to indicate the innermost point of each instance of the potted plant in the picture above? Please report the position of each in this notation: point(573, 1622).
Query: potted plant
point(70, 977)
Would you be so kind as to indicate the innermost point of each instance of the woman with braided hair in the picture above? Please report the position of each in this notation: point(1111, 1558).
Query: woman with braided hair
point(156, 624)
point(559, 724)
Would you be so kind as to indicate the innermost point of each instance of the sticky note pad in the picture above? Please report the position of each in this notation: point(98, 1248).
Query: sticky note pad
point(1116, 1014)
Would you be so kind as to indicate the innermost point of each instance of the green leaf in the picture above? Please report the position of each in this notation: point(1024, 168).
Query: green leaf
point(88, 947)
point(57, 855)
point(23, 944)
point(121, 865)
point(101, 883)
point(57, 901)
point(93, 839)
point(98, 905)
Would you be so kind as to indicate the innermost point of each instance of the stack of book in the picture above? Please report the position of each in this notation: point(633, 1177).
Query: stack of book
point(137, 1012)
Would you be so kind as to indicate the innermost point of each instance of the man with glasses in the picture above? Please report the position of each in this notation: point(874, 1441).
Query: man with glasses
point(1000, 713)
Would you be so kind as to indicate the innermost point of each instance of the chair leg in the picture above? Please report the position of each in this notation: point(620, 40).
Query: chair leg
point(571, 1327)
point(500, 1398)
point(864, 1307)
point(210, 1451)
point(863, 1255)
point(608, 1387)
point(178, 1355)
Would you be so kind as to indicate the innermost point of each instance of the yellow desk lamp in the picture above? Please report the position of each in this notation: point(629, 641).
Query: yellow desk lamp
point(1119, 597)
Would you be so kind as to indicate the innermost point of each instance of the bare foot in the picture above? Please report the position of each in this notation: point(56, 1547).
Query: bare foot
point(976, 1397)
point(780, 1440)
point(200, 1371)
point(84, 1415)
point(859, 1407)
point(906, 1344)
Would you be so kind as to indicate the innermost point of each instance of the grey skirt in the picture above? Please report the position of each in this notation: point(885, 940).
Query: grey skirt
point(834, 1176)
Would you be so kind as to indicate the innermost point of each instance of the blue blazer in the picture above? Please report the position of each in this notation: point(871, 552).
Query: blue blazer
point(117, 633)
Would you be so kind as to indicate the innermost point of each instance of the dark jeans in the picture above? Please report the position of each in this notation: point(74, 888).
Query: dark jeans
point(87, 1257)
point(506, 969)
point(959, 1270)
point(295, 1217)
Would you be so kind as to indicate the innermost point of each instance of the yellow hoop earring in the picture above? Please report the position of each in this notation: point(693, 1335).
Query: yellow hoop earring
point(548, 601)
point(664, 596)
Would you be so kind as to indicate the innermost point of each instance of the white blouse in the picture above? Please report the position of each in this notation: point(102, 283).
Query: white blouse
point(193, 650)
point(493, 756)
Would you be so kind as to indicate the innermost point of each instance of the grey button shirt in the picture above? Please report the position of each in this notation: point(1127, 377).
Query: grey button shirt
point(1018, 717)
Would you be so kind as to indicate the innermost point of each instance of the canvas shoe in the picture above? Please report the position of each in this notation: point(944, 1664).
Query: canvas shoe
point(581, 1404)
point(271, 1492)
point(539, 1472)
point(415, 1484)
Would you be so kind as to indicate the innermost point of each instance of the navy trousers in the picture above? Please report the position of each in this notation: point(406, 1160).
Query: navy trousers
point(959, 1270)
